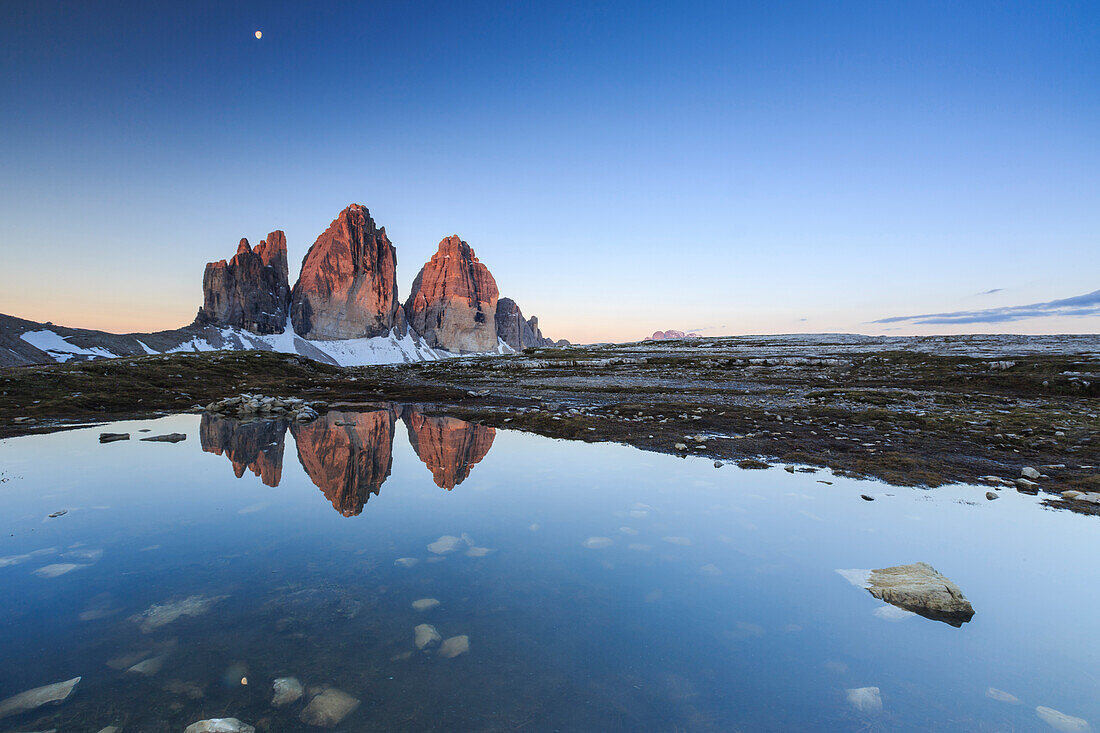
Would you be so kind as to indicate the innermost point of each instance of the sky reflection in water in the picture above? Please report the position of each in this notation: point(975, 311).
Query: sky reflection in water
point(600, 587)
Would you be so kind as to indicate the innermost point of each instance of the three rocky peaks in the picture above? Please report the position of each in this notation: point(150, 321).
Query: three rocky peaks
point(348, 290)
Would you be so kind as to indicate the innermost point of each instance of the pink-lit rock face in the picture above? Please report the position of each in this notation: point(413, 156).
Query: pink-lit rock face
point(453, 301)
point(348, 285)
point(348, 455)
point(662, 335)
point(449, 447)
point(251, 291)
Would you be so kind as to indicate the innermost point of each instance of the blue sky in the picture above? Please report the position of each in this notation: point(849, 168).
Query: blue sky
point(620, 167)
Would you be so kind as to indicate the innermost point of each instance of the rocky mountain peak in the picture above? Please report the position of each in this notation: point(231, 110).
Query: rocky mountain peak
point(454, 299)
point(251, 291)
point(348, 285)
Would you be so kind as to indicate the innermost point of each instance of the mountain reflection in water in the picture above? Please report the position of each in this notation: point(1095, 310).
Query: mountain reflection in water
point(349, 455)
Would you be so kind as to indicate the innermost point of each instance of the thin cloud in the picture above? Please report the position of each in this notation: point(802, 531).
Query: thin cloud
point(1079, 306)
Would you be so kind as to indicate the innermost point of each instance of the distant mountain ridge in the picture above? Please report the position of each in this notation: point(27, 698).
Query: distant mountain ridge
point(344, 309)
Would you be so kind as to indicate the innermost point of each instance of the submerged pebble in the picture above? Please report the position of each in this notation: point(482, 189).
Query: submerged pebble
point(287, 690)
point(329, 708)
point(219, 725)
point(1058, 720)
point(595, 543)
point(162, 614)
point(865, 699)
point(425, 635)
point(454, 646)
point(37, 697)
point(424, 604)
point(1001, 696)
point(445, 544)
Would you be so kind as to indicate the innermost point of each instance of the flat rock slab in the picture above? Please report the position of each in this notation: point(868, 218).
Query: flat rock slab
point(112, 437)
point(37, 697)
point(219, 725)
point(168, 438)
point(329, 708)
point(918, 588)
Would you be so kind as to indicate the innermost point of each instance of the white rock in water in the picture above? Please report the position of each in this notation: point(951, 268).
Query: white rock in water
point(865, 699)
point(1060, 721)
point(37, 697)
point(454, 646)
point(287, 690)
point(219, 725)
point(595, 543)
point(424, 604)
point(1001, 696)
point(329, 708)
point(162, 614)
point(446, 543)
point(426, 635)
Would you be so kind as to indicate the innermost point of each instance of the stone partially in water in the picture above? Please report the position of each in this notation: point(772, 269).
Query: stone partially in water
point(112, 437)
point(424, 604)
point(287, 690)
point(918, 588)
point(162, 614)
point(596, 543)
point(329, 708)
point(454, 646)
point(219, 725)
point(1060, 721)
point(865, 699)
point(446, 543)
point(169, 438)
point(37, 697)
point(425, 636)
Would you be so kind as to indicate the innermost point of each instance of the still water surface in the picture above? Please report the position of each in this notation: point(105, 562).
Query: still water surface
point(599, 587)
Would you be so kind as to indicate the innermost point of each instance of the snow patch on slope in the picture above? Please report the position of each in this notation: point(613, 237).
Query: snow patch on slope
point(60, 349)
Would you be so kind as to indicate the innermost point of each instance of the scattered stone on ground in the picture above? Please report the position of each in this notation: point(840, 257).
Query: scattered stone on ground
point(329, 708)
point(255, 405)
point(287, 690)
point(39, 696)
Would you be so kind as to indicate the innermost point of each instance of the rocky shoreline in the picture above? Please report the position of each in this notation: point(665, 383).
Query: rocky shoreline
point(962, 410)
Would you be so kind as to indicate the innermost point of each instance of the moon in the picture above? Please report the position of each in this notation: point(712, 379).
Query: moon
point(259, 35)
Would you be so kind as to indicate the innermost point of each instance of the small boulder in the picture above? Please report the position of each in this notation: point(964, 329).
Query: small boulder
point(169, 438)
point(1029, 472)
point(425, 635)
point(112, 437)
point(991, 495)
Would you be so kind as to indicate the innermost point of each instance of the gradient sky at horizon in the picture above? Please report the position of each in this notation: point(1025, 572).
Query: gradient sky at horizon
point(620, 167)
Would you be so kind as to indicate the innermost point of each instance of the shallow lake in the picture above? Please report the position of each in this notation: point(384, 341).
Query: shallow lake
point(579, 587)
